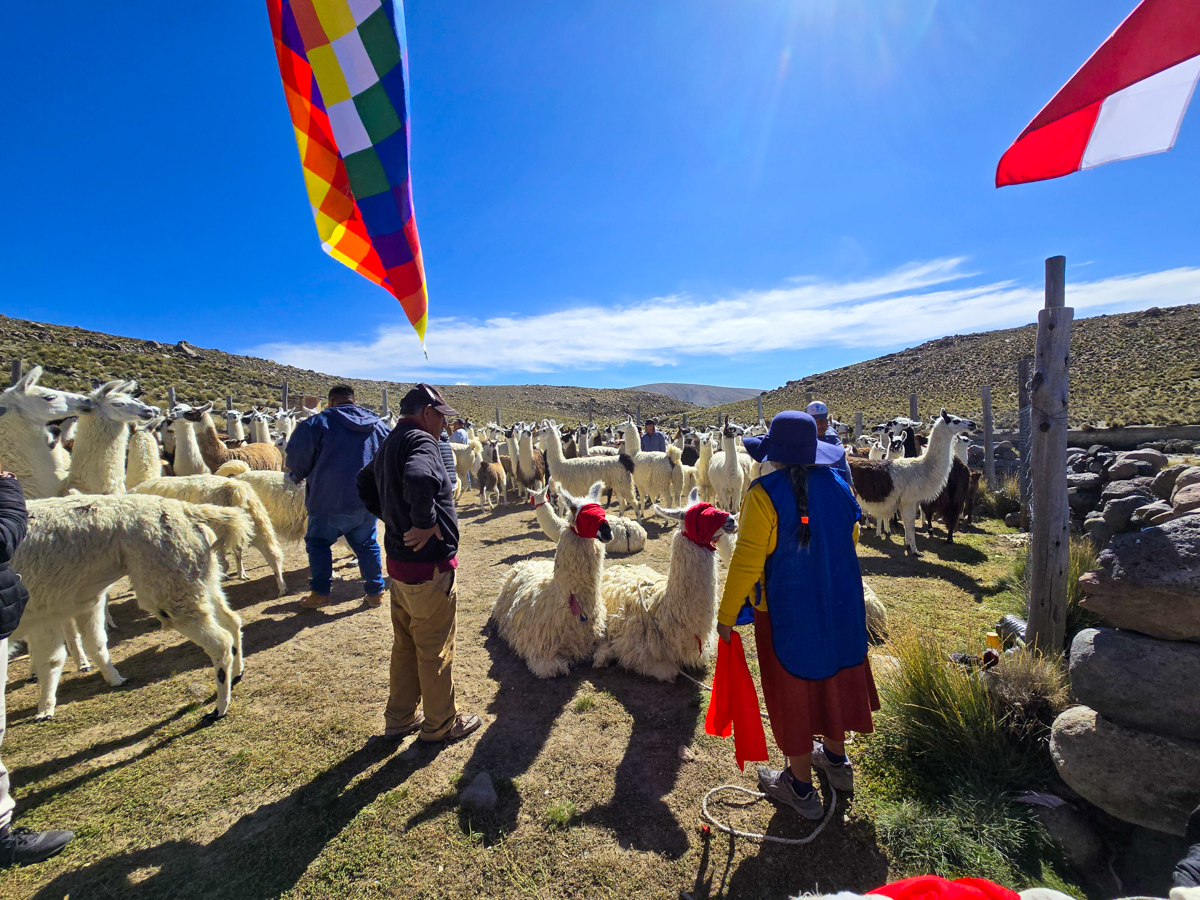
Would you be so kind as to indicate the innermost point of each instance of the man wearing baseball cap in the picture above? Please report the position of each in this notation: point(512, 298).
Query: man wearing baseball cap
point(407, 486)
point(820, 413)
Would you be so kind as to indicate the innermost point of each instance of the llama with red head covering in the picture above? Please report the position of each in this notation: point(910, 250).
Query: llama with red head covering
point(657, 624)
point(551, 613)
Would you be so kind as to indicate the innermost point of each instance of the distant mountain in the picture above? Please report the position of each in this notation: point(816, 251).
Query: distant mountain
point(699, 394)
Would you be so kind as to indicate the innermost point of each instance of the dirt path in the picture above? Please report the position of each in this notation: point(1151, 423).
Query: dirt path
point(600, 773)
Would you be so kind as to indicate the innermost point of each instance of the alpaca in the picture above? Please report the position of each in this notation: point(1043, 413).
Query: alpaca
point(657, 476)
point(235, 431)
point(78, 545)
point(188, 459)
point(143, 460)
point(949, 504)
point(577, 475)
point(491, 480)
point(885, 486)
point(98, 461)
point(551, 613)
point(658, 624)
point(284, 502)
point(530, 462)
point(628, 534)
point(219, 491)
point(25, 409)
point(729, 470)
point(264, 457)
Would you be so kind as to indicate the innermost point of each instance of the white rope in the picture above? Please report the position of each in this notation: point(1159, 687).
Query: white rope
point(764, 837)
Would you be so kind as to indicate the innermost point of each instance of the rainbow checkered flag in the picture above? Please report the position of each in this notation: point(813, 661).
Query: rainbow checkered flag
point(344, 66)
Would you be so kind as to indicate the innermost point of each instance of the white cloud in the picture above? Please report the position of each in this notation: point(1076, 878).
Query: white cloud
point(911, 304)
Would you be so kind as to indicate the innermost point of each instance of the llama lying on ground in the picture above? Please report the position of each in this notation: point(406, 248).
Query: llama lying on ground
point(219, 491)
point(887, 486)
point(577, 475)
point(284, 502)
point(25, 409)
point(950, 503)
point(551, 613)
point(729, 470)
point(79, 545)
point(143, 459)
point(98, 460)
point(658, 624)
point(491, 479)
point(628, 534)
point(657, 476)
point(259, 456)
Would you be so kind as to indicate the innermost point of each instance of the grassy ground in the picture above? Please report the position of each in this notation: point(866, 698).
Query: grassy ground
point(600, 773)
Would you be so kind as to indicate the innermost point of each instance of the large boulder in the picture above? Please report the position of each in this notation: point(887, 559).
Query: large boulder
point(1122, 470)
point(1138, 681)
point(1097, 528)
point(1082, 500)
point(1154, 457)
point(1164, 481)
point(1138, 777)
point(1149, 581)
point(1142, 487)
point(1187, 499)
point(1189, 476)
point(1090, 481)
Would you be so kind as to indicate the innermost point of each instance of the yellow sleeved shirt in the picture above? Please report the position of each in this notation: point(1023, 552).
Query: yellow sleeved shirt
point(758, 527)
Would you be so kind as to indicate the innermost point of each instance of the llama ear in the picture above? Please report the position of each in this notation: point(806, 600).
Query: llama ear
point(676, 514)
point(571, 501)
point(945, 415)
point(693, 496)
point(29, 379)
point(594, 494)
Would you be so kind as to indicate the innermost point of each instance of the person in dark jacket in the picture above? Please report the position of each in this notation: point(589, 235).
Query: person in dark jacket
point(653, 440)
point(18, 846)
point(407, 485)
point(327, 451)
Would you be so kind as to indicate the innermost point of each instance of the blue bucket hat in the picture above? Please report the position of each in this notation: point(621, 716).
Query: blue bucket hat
point(792, 440)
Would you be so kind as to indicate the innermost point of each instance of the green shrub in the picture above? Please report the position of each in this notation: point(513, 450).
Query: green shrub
point(1004, 500)
point(559, 815)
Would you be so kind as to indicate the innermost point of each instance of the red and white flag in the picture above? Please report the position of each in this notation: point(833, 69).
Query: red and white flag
point(1127, 100)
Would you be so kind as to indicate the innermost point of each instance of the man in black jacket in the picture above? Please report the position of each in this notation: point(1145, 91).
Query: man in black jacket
point(407, 485)
point(17, 845)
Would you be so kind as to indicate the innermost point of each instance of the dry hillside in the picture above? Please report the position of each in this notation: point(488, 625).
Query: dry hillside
point(74, 357)
point(1127, 369)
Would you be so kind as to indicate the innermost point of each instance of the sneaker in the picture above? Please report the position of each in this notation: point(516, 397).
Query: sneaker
point(841, 776)
point(20, 846)
point(315, 600)
point(777, 785)
point(463, 725)
point(374, 600)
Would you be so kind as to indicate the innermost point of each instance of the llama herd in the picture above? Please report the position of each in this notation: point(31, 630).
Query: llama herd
point(119, 490)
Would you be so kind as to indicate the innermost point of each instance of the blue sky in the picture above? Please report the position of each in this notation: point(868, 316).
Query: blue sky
point(608, 193)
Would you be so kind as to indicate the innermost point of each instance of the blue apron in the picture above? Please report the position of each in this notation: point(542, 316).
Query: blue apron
point(815, 593)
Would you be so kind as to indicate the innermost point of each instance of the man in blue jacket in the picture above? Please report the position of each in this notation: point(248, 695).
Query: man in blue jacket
point(328, 451)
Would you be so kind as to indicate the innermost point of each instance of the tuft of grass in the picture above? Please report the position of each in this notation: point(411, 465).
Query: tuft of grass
point(1004, 500)
point(559, 815)
point(584, 702)
point(952, 750)
point(1082, 559)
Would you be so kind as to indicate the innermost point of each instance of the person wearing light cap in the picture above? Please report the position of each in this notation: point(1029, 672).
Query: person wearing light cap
point(820, 413)
point(796, 556)
point(407, 486)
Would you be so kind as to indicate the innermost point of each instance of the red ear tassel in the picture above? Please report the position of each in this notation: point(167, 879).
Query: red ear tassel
point(804, 520)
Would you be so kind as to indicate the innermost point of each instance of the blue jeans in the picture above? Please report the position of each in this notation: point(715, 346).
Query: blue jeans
point(359, 532)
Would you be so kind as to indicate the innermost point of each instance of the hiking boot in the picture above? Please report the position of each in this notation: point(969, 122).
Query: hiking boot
point(396, 735)
point(21, 847)
point(315, 601)
point(777, 785)
point(374, 600)
point(463, 725)
point(840, 775)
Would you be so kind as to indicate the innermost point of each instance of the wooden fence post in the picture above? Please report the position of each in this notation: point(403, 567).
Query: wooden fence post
point(685, 420)
point(808, 397)
point(384, 400)
point(1049, 542)
point(989, 442)
point(759, 399)
point(17, 372)
point(1023, 436)
point(858, 428)
point(591, 402)
point(228, 402)
point(170, 398)
point(912, 408)
point(639, 414)
point(285, 394)
point(499, 424)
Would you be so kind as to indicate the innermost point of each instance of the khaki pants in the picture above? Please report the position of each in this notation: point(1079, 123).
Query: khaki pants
point(423, 619)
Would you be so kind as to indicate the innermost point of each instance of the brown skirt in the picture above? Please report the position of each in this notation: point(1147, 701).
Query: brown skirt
point(804, 708)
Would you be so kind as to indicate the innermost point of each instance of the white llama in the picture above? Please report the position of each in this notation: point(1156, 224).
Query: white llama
point(25, 409)
point(98, 458)
point(659, 624)
point(188, 459)
point(577, 475)
point(628, 534)
point(551, 613)
point(657, 476)
point(143, 459)
point(729, 470)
